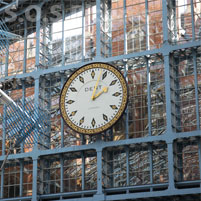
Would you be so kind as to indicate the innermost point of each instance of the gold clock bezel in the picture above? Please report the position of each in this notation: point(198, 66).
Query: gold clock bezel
point(116, 117)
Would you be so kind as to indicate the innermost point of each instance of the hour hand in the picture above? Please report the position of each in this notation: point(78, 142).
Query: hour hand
point(104, 90)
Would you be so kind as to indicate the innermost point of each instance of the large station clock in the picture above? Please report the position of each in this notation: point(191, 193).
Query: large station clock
point(93, 98)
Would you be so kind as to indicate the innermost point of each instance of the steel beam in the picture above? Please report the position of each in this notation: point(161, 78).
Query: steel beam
point(63, 31)
point(199, 156)
point(98, 29)
point(165, 21)
point(35, 176)
point(38, 18)
point(168, 94)
point(96, 145)
point(99, 172)
point(192, 20)
point(171, 186)
point(83, 170)
point(153, 194)
point(62, 174)
point(125, 27)
point(7, 63)
point(196, 89)
point(147, 24)
point(164, 49)
point(21, 177)
point(14, 3)
point(83, 31)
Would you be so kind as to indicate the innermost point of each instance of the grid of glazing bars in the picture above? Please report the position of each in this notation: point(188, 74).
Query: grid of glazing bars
point(155, 149)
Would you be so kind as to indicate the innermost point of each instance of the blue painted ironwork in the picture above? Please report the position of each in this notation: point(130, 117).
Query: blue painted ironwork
point(5, 37)
point(4, 44)
point(25, 123)
point(168, 137)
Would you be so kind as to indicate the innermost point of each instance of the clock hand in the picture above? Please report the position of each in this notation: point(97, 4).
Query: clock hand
point(94, 91)
point(104, 90)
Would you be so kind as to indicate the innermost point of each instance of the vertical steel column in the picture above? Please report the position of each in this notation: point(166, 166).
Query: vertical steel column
point(165, 21)
point(126, 112)
point(175, 65)
point(125, 30)
point(99, 172)
point(149, 114)
point(83, 171)
point(50, 47)
point(48, 95)
point(63, 33)
point(99, 196)
point(7, 62)
point(171, 166)
point(147, 24)
point(125, 62)
point(36, 92)
point(168, 94)
point(34, 184)
point(21, 177)
point(127, 167)
point(83, 31)
point(98, 29)
point(151, 164)
point(38, 17)
point(167, 69)
point(169, 133)
point(149, 95)
point(199, 155)
point(2, 183)
point(192, 20)
point(62, 121)
point(22, 144)
point(25, 46)
point(179, 159)
point(168, 98)
point(104, 39)
point(23, 102)
point(110, 27)
point(62, 173)
point(4, 130)
point(36, 99)
point(3, 148)
point(196, 88)
point(174, 20)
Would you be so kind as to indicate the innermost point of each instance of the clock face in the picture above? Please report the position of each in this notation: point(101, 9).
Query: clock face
point(93, 98)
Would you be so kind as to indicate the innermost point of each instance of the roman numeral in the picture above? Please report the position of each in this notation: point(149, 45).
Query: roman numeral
point(105, 117)
point(73, 113)
point(116, 94)
point(104, 75)
point(73, 89)
point(93, 123)
point(113, 82)
point(114, 107)
point(81, 121)
point(93, 74)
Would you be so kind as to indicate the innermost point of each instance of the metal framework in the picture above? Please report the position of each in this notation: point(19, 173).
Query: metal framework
point(154, 152)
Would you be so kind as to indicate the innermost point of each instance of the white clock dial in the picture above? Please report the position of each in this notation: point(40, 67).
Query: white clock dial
point(93, 98)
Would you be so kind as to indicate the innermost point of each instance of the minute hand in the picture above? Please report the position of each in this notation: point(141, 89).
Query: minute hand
point(104, 90)
point(94, 91)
